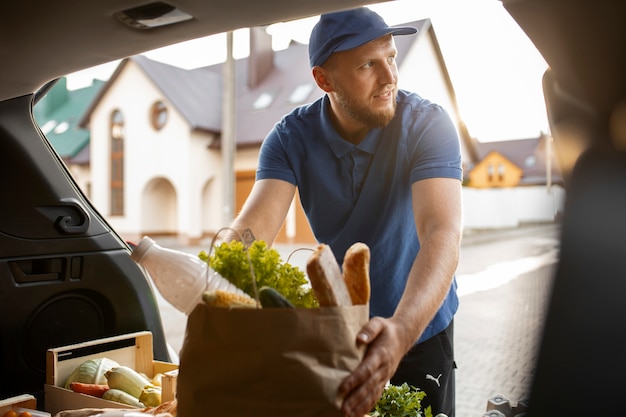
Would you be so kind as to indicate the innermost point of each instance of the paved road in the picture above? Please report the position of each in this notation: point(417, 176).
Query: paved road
point(504, 279)
point(497, 327)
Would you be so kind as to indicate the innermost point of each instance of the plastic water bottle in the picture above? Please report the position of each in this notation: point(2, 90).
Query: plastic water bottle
point(180, 277)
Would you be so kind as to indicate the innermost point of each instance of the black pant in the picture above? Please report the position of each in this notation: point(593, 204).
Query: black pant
point(429, 366)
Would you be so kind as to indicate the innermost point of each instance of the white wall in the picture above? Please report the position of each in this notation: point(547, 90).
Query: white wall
point(174, 154)
point(511, 207)
point(421, 73)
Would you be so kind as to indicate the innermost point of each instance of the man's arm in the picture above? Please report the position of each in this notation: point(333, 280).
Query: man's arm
point(438, 218)
point(265, 210)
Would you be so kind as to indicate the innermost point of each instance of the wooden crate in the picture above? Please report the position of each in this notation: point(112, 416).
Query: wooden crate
point(19, 403)
point(133, 350)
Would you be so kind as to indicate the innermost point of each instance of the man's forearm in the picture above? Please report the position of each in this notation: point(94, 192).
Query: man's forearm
point(428, 283)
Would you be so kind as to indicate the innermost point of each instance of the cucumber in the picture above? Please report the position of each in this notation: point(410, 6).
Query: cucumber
point(271, 298)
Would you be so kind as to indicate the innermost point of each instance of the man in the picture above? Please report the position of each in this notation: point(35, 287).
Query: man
point(381, 166)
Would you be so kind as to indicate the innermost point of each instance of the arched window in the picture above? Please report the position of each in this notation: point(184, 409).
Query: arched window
point(117, 163)
point(158, 115)
point(117, 125)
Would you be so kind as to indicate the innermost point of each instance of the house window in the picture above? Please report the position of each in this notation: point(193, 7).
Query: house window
point(263, 101)
point(490, 172)
point(117, 163)
point(48, 126)
point(501, 171)
point(301, 93)
point(158, 115)
point(61, 128)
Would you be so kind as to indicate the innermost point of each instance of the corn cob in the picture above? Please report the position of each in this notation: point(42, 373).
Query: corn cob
point(123, 397)
point(220, 298)
point(127, 379)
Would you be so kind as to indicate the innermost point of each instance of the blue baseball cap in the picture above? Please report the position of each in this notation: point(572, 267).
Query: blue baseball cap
point(346, 30)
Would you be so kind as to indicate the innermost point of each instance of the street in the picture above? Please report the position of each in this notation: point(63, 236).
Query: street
point(504, 278)
point(504, 286)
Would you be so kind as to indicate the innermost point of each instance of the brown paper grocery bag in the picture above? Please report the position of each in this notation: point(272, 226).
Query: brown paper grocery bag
point(267, 362)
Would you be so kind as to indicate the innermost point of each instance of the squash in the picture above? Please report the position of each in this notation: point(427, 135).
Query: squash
point(122, 397)
point(127, 379)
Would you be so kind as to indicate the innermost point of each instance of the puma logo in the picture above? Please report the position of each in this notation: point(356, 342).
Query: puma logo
point(432, 378)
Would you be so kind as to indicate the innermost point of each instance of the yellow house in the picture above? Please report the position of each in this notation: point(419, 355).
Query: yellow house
point(514, 163)
point(495, 170)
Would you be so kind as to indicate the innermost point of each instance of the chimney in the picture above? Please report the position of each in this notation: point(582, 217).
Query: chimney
point(261, 55)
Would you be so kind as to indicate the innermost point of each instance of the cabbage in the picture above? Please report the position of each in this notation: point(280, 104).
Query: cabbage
point(91, 371)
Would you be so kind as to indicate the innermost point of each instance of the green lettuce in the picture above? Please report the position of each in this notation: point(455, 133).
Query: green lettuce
point(232, 261)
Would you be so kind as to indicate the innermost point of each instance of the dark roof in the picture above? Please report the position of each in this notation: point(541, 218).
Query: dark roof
point(528, 154)
point(59, 113)
point(515, 151)
point(196, 94)
point(291, 69)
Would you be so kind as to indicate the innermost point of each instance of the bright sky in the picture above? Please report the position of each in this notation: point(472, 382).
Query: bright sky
point(495, 69)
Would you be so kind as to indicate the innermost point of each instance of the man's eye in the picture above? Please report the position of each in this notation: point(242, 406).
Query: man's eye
point(368, 65)
point(391, 59)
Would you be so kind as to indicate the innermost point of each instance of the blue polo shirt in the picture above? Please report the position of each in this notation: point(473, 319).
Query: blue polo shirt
point(362, 193)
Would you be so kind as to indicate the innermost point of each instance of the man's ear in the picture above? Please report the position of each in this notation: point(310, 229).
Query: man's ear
point(320, 75)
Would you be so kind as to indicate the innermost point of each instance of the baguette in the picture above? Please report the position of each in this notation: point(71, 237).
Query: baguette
point(356, 272)
point(326, 278)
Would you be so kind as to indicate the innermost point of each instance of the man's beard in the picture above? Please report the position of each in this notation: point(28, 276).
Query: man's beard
point(363, 113)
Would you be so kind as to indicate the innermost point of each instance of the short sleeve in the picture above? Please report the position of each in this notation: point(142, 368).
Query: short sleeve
point(433, 145)
point(273, 157)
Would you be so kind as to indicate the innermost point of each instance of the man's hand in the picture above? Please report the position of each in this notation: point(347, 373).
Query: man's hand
point(385, 347)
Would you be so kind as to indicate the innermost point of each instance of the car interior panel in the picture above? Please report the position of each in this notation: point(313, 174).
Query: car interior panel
point(66, 277)
point(579, 370)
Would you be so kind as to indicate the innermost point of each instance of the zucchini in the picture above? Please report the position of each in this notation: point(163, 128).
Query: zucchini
point(119, 396)
point(127, 379)
point(271, 298)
